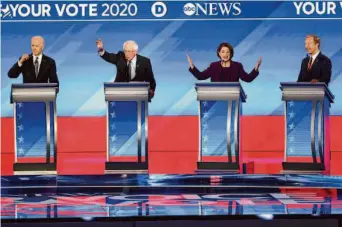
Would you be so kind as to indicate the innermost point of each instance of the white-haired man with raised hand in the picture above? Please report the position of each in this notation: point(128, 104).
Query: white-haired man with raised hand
point(130, 65)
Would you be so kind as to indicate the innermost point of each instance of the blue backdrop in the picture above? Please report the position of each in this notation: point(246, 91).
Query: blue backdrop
point(279, 40)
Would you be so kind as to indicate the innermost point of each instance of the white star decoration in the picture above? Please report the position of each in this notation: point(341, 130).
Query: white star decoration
point(291, 126)
point(205, 126)
point(291, 103)
point(291, 150)
point(205, 150)
point(112, 104)
point(21, 150)
point(113, 114)
point(205, 138)
point(20, 104)
point(21, 139)
point(113, 126)
point(20, 116)
point(292, 114)
point(113, 138)
point(21, 128)
point(291, 139)
point(205, 103)
point(206, 115)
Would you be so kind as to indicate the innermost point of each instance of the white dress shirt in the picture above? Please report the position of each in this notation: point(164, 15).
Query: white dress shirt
point(133, 67)
point(314, 57)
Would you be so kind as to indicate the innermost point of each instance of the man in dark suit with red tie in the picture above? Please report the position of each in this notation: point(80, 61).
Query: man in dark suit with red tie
point(36, 67)
point(130, 66)
point(316, 67)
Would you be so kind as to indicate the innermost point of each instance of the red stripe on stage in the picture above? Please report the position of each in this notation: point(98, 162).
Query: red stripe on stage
point(82, 134)
point(173, 144)
point(7, 135)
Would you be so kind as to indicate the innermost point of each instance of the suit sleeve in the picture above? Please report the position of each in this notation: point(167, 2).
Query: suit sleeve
point(201, 75)
point(150, 76)
point(15, 71)
point(110, 57)
point(301, 73)
point(247, 77)
point(53, 73)
point(326, 71)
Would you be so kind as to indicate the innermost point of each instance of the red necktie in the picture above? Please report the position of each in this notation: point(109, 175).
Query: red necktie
point(310, 64)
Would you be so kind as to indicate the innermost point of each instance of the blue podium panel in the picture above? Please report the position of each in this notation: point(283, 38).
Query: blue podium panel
point(298, 115)
point(122, 120)
point(216, 130)
point(304, 123)
point(32, 139)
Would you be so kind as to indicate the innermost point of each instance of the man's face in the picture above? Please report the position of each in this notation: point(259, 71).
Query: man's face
point(37, 46)
point(310, 45)
point(130, 53)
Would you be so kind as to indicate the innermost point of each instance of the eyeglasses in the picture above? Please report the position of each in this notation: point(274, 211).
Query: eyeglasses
point(129, 51)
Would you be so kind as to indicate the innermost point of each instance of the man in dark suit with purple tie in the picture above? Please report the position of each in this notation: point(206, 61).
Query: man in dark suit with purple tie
point(316, 67)
point(225, 70)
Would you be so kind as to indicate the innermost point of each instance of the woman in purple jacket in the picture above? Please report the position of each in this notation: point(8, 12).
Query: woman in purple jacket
point(225, 70)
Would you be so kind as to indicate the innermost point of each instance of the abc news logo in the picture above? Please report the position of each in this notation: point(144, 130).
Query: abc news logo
point(159, 9)
point(212, 9)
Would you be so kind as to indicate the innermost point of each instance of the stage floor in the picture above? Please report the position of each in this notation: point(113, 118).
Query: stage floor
point(54, 197)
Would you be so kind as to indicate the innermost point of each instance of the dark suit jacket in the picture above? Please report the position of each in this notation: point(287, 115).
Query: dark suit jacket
point(47, 71)
point(320, 70)
point(144, 72)
point(219, 74)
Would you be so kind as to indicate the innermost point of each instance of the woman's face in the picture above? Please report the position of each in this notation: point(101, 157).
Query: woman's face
point(224, 54)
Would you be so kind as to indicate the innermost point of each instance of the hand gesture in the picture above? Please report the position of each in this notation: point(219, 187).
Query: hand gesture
point(190, 61)
point(24, 58)
point(258, 64)
point(99, 44)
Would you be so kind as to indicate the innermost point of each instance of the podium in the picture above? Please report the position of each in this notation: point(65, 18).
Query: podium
point(307, 131)
point(35, 128)
point(220, 108)
point(127, 127)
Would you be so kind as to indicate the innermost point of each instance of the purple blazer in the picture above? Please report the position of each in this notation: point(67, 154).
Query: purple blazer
point(217, 73)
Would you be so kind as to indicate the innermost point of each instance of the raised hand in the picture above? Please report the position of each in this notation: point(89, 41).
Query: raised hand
point(24, 58)
point(190, 61)
point(99, 44)
point(257, 65)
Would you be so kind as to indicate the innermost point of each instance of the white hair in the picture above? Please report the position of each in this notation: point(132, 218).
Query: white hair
point(40, 38)
point(132, 44)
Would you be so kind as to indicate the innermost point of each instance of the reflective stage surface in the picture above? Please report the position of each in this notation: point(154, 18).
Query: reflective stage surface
point(121, 205)
point(125, 196)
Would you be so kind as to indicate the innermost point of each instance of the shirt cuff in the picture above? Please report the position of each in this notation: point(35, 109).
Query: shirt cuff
point(19, 64)
point(101, 52)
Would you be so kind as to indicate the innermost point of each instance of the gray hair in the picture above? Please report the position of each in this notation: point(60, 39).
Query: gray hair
point(40, 38)
point(132, 44)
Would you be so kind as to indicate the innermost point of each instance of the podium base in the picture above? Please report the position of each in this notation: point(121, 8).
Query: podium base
point(34, 168)
point(303, 167)
point(217, 167)
point(126, 167)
